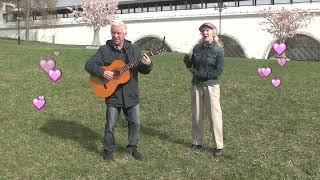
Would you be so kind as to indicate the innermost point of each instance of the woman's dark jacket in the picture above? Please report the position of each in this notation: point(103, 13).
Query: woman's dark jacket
point(206, 64)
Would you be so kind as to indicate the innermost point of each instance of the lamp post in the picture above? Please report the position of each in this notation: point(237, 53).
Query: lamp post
point(18, 18)
point(220, 7)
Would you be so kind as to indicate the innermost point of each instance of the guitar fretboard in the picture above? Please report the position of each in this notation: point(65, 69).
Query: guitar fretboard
point(135, 63)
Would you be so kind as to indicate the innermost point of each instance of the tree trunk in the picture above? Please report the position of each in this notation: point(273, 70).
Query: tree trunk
point(96, 39)
point(283, 55)
point(27, 20)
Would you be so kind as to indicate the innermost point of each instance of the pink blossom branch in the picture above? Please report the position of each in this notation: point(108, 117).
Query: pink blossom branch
point(284, 23)
point(96, 14)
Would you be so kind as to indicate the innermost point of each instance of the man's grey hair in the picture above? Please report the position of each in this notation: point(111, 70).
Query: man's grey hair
point(119, 24)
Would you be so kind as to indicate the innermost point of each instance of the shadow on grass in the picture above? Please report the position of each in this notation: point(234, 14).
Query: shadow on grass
point(162, 136)
point(86, 137)
point(169, 137)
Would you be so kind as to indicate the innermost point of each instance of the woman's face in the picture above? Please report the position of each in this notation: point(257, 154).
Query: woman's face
point(208, 34)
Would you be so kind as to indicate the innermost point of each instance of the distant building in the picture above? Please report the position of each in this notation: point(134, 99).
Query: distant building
point(178, 20)
point(141, 6)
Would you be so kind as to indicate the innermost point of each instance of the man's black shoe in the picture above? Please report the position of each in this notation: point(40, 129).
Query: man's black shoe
point(108, 157)
point(195, 147)
point(217, 152)
point(135, 154)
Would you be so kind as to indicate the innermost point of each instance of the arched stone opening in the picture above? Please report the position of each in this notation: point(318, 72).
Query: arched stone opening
point(300, 47)
point(231, 47)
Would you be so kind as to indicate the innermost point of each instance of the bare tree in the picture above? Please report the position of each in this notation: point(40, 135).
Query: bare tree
point(44, 7)
point(2, 2)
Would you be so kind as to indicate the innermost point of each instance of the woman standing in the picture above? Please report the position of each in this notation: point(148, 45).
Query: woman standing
point(206, 65)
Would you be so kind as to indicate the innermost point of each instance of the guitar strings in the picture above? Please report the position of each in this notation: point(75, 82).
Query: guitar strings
point(130, 65)
point(134, 64)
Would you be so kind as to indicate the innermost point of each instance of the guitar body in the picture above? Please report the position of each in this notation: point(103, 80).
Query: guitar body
point(105, 88)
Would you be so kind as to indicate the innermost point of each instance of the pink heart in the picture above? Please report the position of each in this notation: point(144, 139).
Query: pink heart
point(282, 61)
point(260, 72)
point(47, 65)
point(276, 83)
point(55, 74)
point(279, 48)
point(266, 71)
point(39, 103)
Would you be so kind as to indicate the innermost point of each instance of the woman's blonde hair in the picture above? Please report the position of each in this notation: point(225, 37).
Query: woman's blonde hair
point(216, 39)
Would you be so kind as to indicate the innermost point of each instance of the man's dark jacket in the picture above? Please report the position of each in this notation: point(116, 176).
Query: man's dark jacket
point(126, 95)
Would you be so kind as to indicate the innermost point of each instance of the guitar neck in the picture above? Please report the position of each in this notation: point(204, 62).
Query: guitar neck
point(135, 63)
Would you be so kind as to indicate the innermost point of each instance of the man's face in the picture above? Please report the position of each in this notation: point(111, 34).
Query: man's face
point(118, 34)
point(208, 34)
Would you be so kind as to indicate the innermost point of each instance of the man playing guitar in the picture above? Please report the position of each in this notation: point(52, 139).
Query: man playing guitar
point(125, 95)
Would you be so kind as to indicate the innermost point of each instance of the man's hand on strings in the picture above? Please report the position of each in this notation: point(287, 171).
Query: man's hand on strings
point(108, 74)
point(146, 60)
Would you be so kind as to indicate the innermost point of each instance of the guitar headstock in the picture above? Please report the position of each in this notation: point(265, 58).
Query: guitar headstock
point(157, 50)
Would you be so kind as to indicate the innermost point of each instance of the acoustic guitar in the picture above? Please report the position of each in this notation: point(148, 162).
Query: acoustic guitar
point(105, 88)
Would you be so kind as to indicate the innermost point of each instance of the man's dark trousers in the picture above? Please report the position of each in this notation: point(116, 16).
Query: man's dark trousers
point(132, 116)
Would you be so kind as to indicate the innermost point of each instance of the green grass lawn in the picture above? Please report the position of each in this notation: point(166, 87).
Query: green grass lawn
point(269, 133)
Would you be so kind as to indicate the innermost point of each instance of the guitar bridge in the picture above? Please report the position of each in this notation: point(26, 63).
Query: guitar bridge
point(103, 81)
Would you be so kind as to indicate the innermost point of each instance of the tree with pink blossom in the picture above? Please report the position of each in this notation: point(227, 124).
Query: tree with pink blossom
point(284, 23)
point(96, 14)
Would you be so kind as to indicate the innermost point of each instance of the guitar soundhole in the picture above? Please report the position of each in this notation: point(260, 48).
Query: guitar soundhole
point(116, 73)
